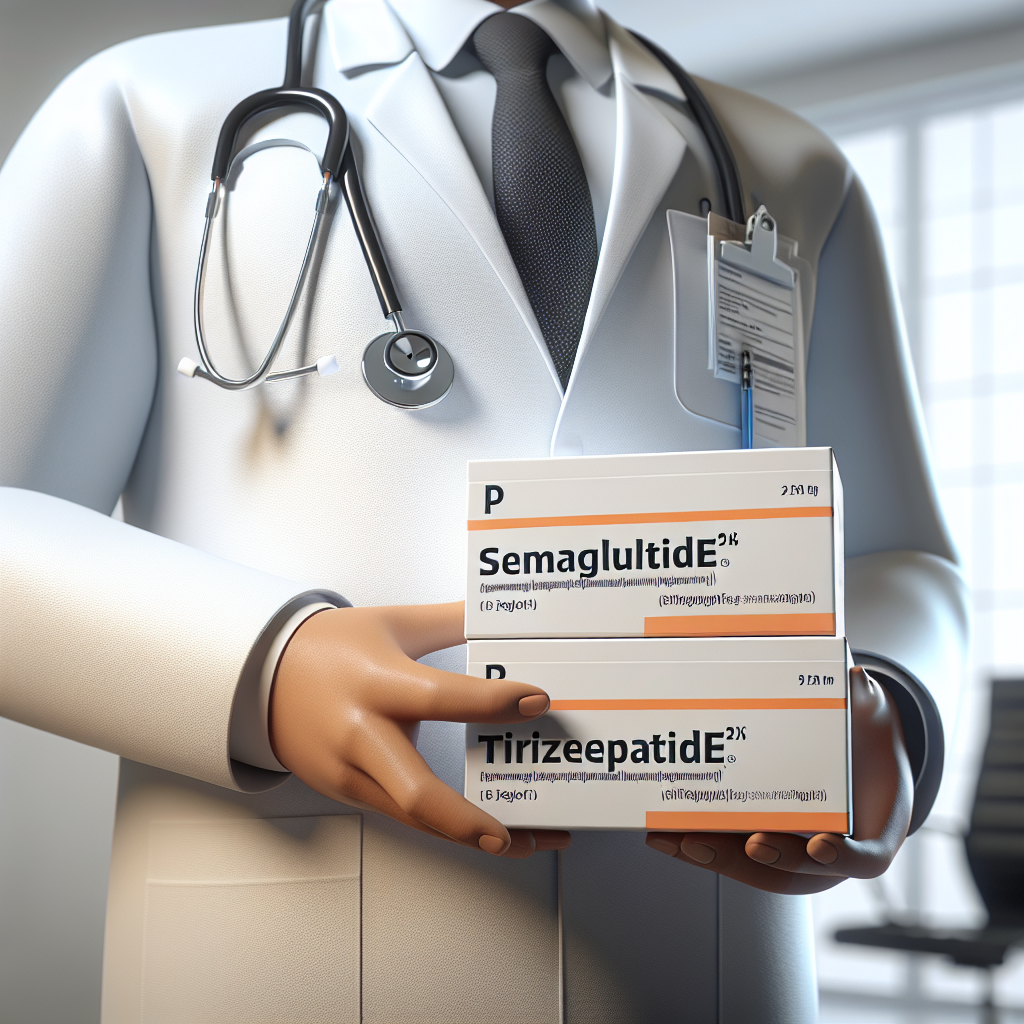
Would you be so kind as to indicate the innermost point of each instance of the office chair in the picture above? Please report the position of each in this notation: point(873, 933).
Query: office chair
point(995, 853)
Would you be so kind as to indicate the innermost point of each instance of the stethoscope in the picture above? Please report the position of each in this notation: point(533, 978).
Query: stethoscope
point(405, 368)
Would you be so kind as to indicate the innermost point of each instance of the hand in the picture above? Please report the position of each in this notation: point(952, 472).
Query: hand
point(883, 793)
point(346, 701)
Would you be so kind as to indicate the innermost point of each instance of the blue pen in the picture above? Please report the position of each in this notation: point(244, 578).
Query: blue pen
point(746, 402)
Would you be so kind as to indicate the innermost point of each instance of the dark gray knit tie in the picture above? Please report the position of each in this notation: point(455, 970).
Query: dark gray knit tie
point(541, 196)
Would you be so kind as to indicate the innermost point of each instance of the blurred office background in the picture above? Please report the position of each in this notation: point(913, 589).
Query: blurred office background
point(926, 97)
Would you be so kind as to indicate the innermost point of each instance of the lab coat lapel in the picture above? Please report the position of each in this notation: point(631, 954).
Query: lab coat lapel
point(648, 151)
point(410, 113)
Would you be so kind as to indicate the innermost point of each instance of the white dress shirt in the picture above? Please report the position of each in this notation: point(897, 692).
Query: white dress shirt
point(580, 77)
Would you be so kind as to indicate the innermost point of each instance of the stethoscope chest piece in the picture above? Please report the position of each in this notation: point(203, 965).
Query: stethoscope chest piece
point(408, 369)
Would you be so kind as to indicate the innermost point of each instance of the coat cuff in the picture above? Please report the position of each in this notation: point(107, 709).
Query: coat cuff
point(249, 734)
point(906, 620)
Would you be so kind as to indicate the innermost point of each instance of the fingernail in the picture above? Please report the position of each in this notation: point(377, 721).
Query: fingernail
point(492, 845)
point(534, 705)
point(824, 852)
point(662, 846)
point(698, 851)
point(763, 853)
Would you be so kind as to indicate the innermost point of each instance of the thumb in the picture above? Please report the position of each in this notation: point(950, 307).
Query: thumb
point(883, 788)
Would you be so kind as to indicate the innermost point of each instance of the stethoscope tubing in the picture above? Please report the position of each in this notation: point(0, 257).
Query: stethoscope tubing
point(208, 369)
point(319, 101)
point(355, 199)
point(338, 164)
point(725, 162)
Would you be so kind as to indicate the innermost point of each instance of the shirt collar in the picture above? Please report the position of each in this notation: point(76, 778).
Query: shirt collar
point(578, 30)
point(439, 29)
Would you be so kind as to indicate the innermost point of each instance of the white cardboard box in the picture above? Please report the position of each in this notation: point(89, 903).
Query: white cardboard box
point(730, 543)
point(729, 735)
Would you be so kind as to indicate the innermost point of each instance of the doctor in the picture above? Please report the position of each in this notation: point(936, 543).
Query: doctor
point(282, 849)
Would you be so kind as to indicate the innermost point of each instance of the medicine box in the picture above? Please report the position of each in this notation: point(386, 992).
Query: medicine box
point(728, 735)
point(730, 543)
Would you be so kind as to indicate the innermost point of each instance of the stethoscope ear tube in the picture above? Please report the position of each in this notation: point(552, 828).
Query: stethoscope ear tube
point(208, 370)
point(320, 102)
point(416, 384)
point(406, 369)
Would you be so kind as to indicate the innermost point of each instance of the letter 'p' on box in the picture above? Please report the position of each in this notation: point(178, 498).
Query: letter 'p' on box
point(689, 544)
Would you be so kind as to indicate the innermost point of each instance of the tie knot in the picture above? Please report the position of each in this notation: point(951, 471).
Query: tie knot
point(510, 44)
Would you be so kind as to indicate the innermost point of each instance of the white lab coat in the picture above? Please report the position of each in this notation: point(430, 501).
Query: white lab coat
point(235, 895)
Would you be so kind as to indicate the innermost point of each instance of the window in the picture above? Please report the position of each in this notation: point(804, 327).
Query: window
point(948, 188)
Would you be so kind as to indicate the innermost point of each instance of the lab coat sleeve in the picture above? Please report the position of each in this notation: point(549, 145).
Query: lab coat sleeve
point(127, 641)
point(110, 635)
point(906, 603)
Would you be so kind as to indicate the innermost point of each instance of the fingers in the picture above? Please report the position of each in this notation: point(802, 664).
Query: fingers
point(795, 853)
point(359, 790)
point(374, 648)
point(431, 694)
point(824, 854)
point(883, 788)
point(346, 696)
point(549, 839)
point(523, 844)
point(420, 799)
point(882, 800)
point(382, 750)
point(724, 853)
point(355, 788)
point(526, 842)
point(819, 855)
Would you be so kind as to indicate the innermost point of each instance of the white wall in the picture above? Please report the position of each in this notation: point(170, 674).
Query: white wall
point(749, 43)
point(57, 797)
point(56, 819)
point(42, 40)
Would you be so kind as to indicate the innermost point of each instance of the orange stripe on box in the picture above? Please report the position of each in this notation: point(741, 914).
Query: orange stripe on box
point(792, 624)
point(749, 821)
point(720, 704)
point(625, 518)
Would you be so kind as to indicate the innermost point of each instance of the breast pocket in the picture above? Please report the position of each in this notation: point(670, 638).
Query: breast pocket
point(253, 921)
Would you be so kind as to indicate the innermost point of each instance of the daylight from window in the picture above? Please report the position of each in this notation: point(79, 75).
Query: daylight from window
point(948, 189)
